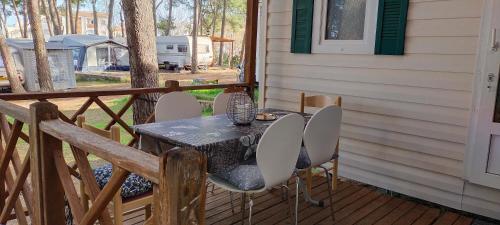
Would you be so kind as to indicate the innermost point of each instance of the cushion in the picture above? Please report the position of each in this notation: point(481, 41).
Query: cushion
point(303, 162)
point(245, 177)
point(133, 186)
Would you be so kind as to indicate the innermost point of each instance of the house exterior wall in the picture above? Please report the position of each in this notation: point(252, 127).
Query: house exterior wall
point(406, 117)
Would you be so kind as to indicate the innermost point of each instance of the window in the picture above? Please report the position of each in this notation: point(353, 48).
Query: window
point(345, 19)
point(170, 47)
point(182, 48)
point(344, 26)
point(102, 56)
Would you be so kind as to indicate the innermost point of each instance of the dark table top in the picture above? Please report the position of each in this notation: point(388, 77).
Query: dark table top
point(202, 131)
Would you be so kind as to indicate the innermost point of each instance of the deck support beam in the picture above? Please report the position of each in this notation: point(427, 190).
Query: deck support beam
point(251, 44)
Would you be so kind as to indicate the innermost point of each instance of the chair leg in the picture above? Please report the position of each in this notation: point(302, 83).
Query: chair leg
point(250, 207)
point(231, 198)
point(289, 203)
point(330, 192)
point(243, 200)
point(309, 180)
point(297, 187)
point(147, 211)
point(335, 174)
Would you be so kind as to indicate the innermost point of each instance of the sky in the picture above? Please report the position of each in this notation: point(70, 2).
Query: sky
point(180, 13)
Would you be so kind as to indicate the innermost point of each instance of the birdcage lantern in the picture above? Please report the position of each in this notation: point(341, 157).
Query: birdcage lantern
point(241, 109)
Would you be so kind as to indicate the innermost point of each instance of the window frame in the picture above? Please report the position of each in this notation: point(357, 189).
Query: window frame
point(366, 46)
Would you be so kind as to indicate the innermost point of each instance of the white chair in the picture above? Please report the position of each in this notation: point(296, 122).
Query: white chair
point(277, 154)
point(321, 135)
point(220, 103)
point(177, 105)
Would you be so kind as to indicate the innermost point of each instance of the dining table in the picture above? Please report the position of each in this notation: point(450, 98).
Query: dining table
point(225, 144)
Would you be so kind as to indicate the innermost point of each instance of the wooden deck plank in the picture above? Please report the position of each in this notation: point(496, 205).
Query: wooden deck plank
point(344, 190)
point(463, 220)
point(376, 215)
point(447, 219)
point(280, 213)
point(428, 217)
point(367, 209)
point(354, 204)
point(412, 215)
point(324, 216)
point(396, 213)
point(347, 198)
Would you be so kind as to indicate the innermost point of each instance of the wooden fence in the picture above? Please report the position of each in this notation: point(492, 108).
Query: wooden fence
point(52, 178)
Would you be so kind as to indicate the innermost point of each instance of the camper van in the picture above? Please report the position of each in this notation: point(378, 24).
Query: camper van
point(174, 52)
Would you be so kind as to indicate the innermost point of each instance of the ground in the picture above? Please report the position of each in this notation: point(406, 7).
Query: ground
point(95, 116)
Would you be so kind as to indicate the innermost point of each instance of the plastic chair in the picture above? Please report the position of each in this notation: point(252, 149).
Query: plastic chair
point(221, 100)
point(320, 101)
point(177, 105)
point(277, 154)
point(321, 135)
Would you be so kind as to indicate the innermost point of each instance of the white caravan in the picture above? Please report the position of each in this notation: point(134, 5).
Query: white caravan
point(174, 52)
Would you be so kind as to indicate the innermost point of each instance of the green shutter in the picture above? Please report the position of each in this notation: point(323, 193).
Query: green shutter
point(391, 26)
point(302, 23)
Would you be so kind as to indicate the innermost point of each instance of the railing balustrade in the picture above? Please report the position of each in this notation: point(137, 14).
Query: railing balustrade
point(52, 179)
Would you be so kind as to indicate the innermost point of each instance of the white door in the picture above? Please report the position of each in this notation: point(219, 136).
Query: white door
point(484, 149)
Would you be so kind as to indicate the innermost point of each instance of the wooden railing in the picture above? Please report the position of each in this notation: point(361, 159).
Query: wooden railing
point(52, 178)
point(116, 117)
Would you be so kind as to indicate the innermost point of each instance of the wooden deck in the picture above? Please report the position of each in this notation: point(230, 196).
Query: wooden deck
point(353, 204)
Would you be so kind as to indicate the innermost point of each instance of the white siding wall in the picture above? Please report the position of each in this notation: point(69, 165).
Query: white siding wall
point(405, 117)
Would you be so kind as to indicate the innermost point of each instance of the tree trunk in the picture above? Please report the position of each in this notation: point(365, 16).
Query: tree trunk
point(4, 21)
point(169, 26)
point(96, 22)
point(25, 19)
point(47, 17)
point(67, 27)
point(71, 18)
point(57, 16)
point(194, 49)
point(142, 54)
point(200, 19)
point(77, 15)
point(222, 29)
point(16, 12)
point(110, 18)
point(122, 23)
point(42, 61)
point(10, 67)
point(54, 14)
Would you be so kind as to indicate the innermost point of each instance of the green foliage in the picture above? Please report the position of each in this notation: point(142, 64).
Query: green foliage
point(163, 25)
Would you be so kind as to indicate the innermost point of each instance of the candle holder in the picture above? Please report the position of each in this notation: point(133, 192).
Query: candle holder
point(241, 109)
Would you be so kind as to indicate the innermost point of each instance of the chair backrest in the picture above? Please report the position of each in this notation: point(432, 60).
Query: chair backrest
point(278, 149)
point(317, 101)
point(322, 133)
point(220, 103)
point(177, 105)
point(113, 133)
point(221, 100)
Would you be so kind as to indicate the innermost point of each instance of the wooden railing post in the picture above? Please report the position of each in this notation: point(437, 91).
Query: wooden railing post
point(172, 84)
point(180, 196)
point(48, 194)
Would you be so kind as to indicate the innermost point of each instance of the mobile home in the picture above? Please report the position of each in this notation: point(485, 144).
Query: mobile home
point(419, 81)
point(175, 51)
point(95, 53)
point(60, 61)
